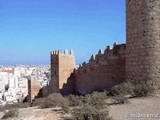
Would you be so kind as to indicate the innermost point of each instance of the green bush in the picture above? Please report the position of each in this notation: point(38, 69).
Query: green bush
point(65, 107)
point(96, 99)
point(89, 107)
point(121, 91)
point(120, 99)
point(10, 113)
point(125, 88)
point(88, 112)
point(143, 90)
point(53, 100)
point(74, 100)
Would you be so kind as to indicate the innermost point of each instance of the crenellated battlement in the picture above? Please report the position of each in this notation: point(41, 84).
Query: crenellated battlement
point(103, 70)
point(110, 53)
point(65, 52)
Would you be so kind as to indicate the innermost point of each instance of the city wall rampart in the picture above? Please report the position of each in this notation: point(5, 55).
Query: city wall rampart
point(102, 71)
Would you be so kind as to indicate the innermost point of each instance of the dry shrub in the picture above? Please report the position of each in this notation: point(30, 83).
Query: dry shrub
point(88, 112)
point(53, 100)
point(10, 113)
point(143, 90)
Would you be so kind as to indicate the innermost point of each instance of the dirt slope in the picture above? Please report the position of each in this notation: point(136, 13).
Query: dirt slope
point(137, 109)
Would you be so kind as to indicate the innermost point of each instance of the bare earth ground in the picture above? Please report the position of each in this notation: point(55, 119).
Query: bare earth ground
point(34, 113)
point(137, 109)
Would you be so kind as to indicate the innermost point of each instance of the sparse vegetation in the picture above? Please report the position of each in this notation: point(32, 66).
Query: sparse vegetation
point(120, 99)
point(125, 88)
point(10, 113)
point(143, 90)
point(121, 91)
point(96, 99)
point(74, 100)
point(16, 106)
point(53, 100)
point(89, 107)
point(88, 112)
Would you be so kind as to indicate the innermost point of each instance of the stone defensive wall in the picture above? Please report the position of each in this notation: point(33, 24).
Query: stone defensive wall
point(143, 41)
point(103, 70)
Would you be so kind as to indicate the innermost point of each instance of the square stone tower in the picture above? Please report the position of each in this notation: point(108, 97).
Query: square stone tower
point(143, 41)
point(62, 65)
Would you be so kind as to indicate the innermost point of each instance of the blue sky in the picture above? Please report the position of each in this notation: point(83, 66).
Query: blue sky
point(30, 29)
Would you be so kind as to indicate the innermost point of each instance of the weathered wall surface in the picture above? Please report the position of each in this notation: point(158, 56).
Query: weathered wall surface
point(54, 83)
point(66, 67)
point(33, 89)
point(143, 41)
point(69, 86)
point(62, 65)
point(103, 70)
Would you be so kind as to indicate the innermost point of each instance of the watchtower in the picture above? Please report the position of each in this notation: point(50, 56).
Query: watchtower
point(143, 41)
point(62, 65)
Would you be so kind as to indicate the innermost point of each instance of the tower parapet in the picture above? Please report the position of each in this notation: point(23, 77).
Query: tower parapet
point(59, 52)
point(66, 52)
point(71, 52)
point(62, 65)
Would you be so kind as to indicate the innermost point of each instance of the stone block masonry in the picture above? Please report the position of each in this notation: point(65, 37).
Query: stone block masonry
point(143, 41)
point(103, 71)
point(62, 65)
